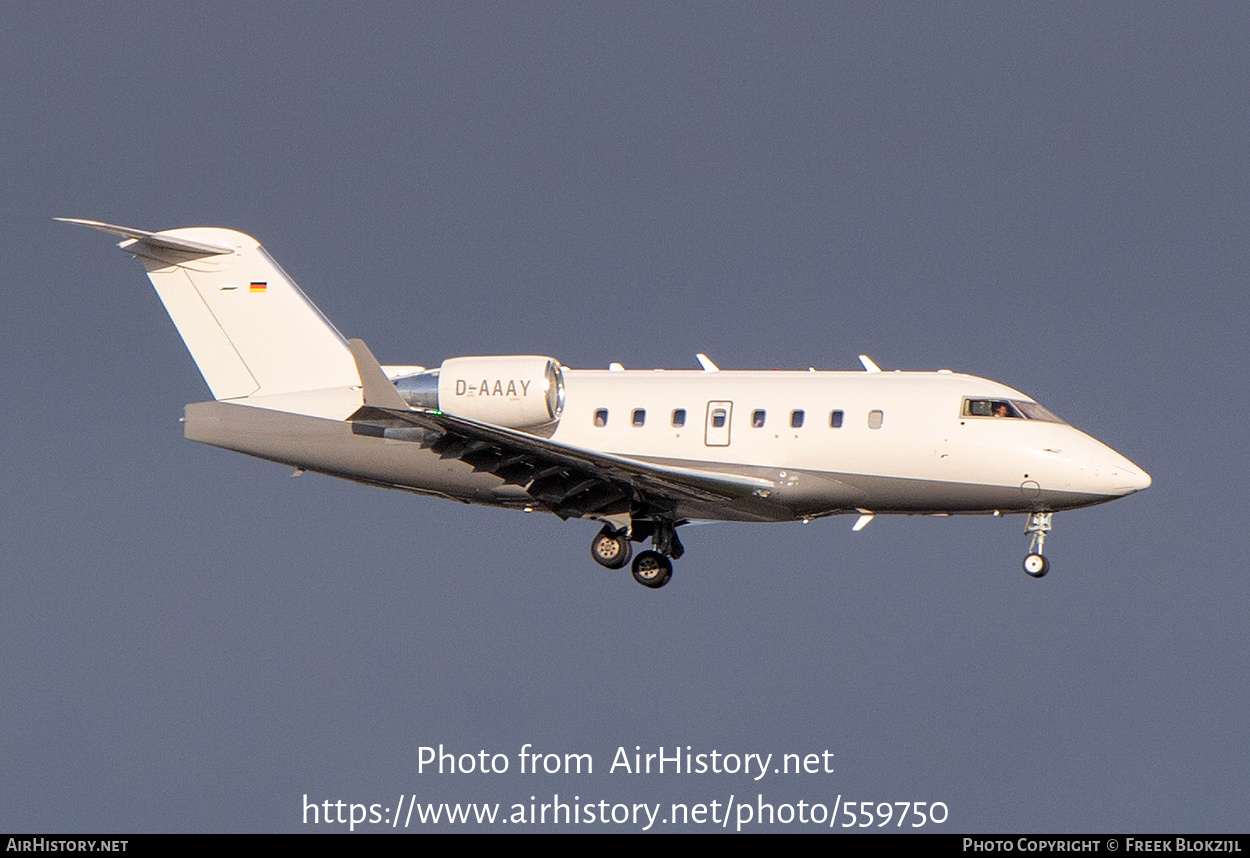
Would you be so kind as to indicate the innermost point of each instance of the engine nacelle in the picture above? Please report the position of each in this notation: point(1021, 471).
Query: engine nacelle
point(515, 391)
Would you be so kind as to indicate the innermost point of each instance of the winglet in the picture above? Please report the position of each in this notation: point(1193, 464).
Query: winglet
point(706, 363)
point(379, 392)
point(869, 366)
point(860, 523)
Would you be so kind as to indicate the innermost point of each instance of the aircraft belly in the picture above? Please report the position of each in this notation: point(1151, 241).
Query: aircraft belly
point(804, 493)
point(884, 494)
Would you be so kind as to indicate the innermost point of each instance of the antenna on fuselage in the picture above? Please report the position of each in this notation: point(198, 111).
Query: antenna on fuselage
point(869, 366)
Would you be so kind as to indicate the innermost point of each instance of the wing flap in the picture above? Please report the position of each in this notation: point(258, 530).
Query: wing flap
point(557, 474)
point(686, 482)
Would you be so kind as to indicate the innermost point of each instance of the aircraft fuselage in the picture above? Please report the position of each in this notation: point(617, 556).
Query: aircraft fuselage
point(924, 456)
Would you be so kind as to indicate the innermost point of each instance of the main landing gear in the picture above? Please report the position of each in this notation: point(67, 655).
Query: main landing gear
point(652, 568)
point(1036, 564)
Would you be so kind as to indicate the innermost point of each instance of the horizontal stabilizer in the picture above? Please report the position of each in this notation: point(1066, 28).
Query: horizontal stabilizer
point(152, 239)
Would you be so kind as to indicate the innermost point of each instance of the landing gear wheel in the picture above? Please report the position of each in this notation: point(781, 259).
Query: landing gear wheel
point(652, 569)
point(611, 549)
point(1036, 565)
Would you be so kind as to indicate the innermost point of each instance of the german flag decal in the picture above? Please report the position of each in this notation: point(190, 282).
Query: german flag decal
point(256, 287)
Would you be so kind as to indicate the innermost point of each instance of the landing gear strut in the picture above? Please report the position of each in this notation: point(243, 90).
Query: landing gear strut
point(1036, 564)
point(654, 568)
point(664, 539)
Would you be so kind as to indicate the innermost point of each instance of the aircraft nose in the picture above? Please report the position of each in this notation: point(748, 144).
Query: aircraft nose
point(1124, 477)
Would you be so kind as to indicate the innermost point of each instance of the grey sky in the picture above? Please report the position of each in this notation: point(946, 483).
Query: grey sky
point(1051, 195)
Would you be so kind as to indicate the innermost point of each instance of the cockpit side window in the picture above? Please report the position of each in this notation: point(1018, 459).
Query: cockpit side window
point(990, 408)
point(1007, 408)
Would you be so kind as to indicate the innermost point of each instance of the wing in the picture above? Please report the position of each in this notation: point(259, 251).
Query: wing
point(570, 481)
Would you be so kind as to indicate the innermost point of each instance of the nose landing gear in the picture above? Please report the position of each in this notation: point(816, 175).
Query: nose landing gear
point(1035, 564)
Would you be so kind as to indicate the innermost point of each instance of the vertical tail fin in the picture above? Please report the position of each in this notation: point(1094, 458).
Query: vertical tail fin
point(250, 329)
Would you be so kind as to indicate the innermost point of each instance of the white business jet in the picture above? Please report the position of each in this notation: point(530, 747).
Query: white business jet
point(642, 452)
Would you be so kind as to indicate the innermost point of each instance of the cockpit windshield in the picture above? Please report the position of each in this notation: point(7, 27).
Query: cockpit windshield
point(1008, 408)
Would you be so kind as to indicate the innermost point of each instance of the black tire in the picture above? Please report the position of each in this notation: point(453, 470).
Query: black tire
point(652, 569)
point(611, 550)
point(1036, 566)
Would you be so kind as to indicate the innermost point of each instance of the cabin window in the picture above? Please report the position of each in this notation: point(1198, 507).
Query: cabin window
point(796, 419)
point(601, 417)
point(757, 418)
point(835, 419)
point(875, 418)
point(679, 417)
point(718, 418)
point(639, 416)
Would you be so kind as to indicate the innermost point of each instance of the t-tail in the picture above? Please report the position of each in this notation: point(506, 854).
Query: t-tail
point(251, 331)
